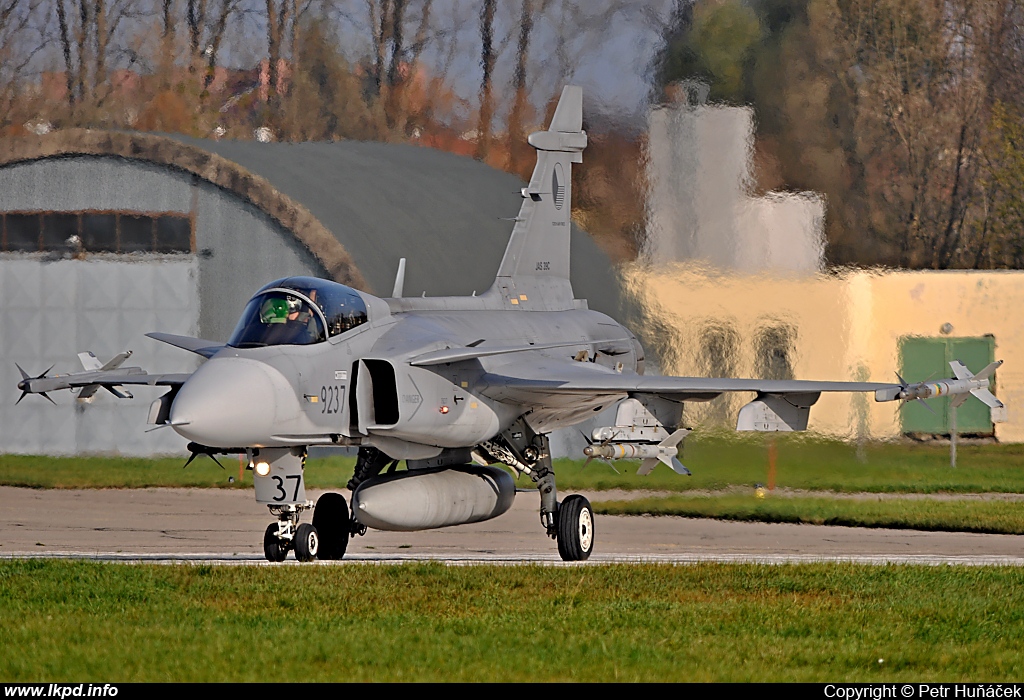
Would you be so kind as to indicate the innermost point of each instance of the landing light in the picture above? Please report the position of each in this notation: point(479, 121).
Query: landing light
point(262, 468)
point(443, 409)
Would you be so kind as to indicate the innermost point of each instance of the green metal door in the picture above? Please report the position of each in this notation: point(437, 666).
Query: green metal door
point(925, 359)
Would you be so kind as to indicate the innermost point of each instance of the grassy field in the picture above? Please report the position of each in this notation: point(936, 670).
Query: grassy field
point(716, 462)
point(108, 623)
point(805, 462)
point(991, 516)
point(127, 472)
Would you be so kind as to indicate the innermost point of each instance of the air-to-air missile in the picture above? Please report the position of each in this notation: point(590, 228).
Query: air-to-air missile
point(664, 452)
point(966, 384)
point(637, 434)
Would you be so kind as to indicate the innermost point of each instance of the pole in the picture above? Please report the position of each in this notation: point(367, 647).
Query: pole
point(952, 437)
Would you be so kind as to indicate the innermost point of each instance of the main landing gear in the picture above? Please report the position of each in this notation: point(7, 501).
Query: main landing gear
point(570, 522)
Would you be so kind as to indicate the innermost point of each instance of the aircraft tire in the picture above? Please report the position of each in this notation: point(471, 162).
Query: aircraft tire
point(274, 548)
point(307, 542)
point(575, 528)
point(331, 520)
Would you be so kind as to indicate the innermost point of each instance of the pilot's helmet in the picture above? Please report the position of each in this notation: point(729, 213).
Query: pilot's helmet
point(274, 310)
point(294, 304)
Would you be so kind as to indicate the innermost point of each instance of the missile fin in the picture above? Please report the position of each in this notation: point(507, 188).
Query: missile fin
point(960, 370)
point(988, 371)
point(89, 361)
point(675, 438)
point(987, 398)
point(647, 466)
point(676, 465)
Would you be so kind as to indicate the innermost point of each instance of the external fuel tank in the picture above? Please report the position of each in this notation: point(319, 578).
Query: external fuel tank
point(423, 499)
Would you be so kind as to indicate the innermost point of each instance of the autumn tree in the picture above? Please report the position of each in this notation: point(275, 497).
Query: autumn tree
point(327, 94)
point(883, 105)
point(22, 37)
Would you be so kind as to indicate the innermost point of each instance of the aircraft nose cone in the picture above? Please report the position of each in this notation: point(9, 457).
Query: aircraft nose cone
point(232, 402)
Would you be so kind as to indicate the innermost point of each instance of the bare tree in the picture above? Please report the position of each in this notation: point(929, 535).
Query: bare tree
point(519, 151)
point(487, 59)
point(21, 38)
point(86, 34)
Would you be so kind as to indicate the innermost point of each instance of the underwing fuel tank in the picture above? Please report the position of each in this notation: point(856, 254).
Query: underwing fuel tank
point(423, 499)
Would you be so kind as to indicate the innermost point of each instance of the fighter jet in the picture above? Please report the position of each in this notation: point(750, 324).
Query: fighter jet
point(452, 386)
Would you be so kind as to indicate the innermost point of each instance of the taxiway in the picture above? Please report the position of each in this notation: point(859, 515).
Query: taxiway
point(226, 526)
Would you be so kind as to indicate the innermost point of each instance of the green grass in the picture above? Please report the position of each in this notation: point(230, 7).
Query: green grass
point(717, 462)
point(128, 472)
point(93, 622)
point(1001, 517)
point(806, 462)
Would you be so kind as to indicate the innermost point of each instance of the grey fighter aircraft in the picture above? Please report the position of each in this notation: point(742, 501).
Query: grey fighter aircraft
point(450, 385)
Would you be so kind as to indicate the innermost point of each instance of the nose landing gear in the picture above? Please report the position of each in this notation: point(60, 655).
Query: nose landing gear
point(325, 539)
point(287, 534)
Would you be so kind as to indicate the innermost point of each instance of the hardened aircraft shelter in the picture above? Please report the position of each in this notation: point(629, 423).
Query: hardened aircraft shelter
point(105, 236)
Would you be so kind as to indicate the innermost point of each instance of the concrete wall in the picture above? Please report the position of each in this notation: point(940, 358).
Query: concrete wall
point(53, 308)
point(700, 207)
point(844, 326)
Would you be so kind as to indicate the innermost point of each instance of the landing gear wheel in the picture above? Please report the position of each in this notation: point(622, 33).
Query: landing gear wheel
point(575, 528)
point(332, 522)
point(307, 542)
point(274, 548)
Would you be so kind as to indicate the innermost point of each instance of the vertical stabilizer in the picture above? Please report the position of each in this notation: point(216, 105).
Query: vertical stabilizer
point(534, 274)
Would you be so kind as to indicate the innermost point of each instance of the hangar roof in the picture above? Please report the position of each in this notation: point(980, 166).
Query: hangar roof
point(359, 206)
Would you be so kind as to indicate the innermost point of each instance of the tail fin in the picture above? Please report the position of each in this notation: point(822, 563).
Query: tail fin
point(984, 395)
point(960, 370)
point(534, 274)
point(989, 370)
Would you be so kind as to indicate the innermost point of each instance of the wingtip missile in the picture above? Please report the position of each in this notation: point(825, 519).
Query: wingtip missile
point(958, 389)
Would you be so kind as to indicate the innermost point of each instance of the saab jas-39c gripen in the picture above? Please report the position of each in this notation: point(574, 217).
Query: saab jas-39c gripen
point(450, 385)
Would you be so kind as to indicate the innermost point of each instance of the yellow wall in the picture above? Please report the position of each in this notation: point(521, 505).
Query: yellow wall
point(847, 324)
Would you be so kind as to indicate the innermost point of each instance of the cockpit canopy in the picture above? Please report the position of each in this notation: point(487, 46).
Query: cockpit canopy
point(298, 311)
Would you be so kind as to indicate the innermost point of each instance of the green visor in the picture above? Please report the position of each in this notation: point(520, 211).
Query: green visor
point(274, 311)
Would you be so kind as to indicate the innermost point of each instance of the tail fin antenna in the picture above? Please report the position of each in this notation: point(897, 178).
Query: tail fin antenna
point(534, 274)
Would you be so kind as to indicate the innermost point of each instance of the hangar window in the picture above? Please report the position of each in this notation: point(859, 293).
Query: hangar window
point(21, 232)
point(80, 232)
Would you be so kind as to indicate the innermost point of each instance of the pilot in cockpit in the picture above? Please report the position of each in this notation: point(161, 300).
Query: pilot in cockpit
point(290, 321)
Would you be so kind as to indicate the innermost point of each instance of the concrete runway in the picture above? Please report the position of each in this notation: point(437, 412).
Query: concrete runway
point(226, 526)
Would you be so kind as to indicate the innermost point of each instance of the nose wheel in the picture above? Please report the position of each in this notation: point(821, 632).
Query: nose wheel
point(274, 548)
point(307, 542)
point(287, 534)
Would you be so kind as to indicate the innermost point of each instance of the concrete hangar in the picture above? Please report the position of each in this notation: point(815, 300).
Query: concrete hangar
point(105, 236)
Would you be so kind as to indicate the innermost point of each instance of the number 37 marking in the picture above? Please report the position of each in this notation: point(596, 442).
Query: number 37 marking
point(279, 483)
